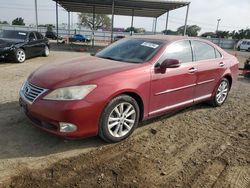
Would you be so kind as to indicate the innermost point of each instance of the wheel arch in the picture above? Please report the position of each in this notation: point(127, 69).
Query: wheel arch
point(135, 96)
point(229, 78)
point(138, 100)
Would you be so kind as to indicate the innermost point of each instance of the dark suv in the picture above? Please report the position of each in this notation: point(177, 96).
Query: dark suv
point(52, 35)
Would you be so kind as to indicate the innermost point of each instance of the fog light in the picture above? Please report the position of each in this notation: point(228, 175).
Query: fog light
point(67, 127)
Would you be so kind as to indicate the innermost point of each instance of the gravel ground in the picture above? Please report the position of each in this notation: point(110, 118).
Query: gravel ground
point(196, 147)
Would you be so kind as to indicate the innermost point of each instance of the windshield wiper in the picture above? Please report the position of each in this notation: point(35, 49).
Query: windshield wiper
point(111, 58)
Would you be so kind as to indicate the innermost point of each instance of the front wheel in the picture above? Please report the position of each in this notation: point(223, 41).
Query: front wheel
point(221, 93)
point(119, 119)
point(20, 55)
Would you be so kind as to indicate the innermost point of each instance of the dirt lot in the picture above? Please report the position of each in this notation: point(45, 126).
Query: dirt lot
point(196, 147)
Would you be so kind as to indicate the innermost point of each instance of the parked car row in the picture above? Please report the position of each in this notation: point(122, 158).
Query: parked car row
point(20, 45)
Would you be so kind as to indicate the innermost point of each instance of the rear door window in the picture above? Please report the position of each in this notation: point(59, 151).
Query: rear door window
point(39, 36)
point(218, 54)
point(203, 51)
point(32, 36)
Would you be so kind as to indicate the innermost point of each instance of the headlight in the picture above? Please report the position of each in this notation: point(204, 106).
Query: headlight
point(70, 93)
point(9, 48)
point(6, 48)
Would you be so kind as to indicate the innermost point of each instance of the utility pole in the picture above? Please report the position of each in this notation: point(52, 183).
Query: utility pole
point(36, 15)
point(218, 23)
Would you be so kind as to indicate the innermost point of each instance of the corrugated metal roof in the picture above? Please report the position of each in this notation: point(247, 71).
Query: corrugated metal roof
point(143, 8)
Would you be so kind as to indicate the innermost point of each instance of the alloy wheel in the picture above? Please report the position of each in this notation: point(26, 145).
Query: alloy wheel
point(46, 51)
point(20, 55)
point(222, 92)
point(121, 119)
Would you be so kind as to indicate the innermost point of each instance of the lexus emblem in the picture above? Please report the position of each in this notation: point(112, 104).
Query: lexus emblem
point(27, 90)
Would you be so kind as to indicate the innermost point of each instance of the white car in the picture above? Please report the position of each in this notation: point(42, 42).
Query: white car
point(243, 44)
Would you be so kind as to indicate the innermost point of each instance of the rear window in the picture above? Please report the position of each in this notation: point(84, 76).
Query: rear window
point(22, 35)
point(203, 51)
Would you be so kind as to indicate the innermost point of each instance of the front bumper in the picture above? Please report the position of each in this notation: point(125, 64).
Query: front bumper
point(6, 53)
point(47, 115)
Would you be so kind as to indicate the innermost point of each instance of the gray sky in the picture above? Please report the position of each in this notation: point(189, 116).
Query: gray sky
point(234, 14)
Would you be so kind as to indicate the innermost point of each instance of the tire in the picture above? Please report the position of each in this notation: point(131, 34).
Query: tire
point(221, 93)
point(46, 51)
point(20, 55)
point(114, 127)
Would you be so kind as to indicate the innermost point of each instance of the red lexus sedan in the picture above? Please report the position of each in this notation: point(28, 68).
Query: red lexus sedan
point(129, 81)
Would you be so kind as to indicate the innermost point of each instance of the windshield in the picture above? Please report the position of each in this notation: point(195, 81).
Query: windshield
point(21, 35)
point(131, 50)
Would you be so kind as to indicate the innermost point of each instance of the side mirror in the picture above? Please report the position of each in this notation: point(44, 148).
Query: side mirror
point(169, 63)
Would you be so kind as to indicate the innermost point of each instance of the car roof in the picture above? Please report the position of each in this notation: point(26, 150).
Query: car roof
point(171, 38)
point(167, 38)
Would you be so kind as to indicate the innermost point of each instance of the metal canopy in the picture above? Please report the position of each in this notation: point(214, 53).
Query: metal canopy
point(141, 8)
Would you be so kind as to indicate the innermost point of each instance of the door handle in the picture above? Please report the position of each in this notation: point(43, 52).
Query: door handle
point(222, 64)
point(192, 70)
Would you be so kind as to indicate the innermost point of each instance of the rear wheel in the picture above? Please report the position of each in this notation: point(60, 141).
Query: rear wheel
point(221, 93)
point(46, 51)
point(119, 119)
point(20, 55)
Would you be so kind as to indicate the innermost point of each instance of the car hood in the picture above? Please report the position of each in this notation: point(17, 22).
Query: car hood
point(8, 42)
point(76, 72)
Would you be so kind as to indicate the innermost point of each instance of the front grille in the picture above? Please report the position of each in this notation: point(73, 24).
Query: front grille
point(31, 92)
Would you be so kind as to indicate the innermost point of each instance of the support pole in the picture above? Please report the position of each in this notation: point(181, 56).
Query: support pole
point(68, 26)
point(93, 29)
point(112, 21)
point(155, 26)
point(132, 22)
point(36, 15)
point(167, 22)
point(57, 21)
point(185, 28)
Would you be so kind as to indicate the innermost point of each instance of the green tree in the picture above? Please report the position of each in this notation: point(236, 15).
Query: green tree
point(18, 21)
point(133, 29)
point(192, 30)
point(222, 34)
point(101, 21)
point(49, 27)
point(4, 22)
point(208, 34)
point(241, 34)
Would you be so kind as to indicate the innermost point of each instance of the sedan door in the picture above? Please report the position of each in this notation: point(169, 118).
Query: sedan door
point(174, 88)
point(31, 45)
point(40, 43)
point(211, 67)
